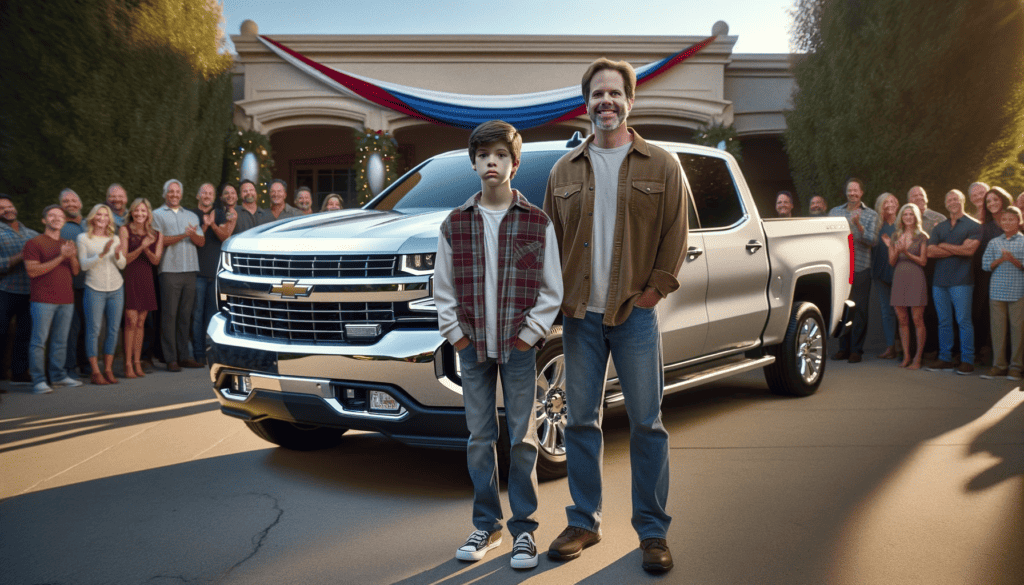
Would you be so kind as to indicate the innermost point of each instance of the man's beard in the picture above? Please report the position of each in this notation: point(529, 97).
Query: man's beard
point(9, 221)
point(620, 119)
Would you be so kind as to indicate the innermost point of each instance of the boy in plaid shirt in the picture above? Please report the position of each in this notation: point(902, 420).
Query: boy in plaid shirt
point(498, 286)
point(1004, 258)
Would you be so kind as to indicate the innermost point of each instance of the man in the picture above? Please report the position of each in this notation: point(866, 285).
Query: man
point(784, 204)
point(279, 208)
point(76, 362)
point(818, 207)
point(621, 252)
point(977, 192)
point(250, 215)
point(953, 243)
point(929, 218)
point(117, 201)
point(211, 219)
point(178, 268)
point(50, 262)
point(864, 226)
point(304, 201)
point(15, 291)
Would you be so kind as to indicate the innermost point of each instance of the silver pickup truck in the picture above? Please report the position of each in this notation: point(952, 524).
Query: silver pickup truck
point(326, 323)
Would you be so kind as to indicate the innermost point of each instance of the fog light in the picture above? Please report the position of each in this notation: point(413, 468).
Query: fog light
point(383, 402)
point(241, 385)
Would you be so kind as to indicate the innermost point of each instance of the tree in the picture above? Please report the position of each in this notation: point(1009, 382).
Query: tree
point(904, 92)
point(103, 91)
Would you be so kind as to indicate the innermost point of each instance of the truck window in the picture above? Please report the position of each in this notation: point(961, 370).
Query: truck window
point(714, 192)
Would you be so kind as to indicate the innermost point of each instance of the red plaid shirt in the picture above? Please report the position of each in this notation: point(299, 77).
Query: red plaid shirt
point(521, 241)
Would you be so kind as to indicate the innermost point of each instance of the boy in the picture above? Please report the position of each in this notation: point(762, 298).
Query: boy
point(1004, 258)
point(498, 286)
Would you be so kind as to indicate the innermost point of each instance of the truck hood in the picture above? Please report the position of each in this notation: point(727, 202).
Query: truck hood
point(350, 230)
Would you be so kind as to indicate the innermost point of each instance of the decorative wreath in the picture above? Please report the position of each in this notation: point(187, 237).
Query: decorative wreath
point(368, 144)
point(239, 143)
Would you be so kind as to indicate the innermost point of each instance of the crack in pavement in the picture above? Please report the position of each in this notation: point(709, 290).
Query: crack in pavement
point(260, 537)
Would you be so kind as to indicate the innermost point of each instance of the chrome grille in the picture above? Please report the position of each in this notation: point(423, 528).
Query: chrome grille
point(315, 265)
point(304, 322)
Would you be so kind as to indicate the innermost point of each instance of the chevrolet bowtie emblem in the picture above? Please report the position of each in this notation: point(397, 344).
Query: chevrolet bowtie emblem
point(288, 289)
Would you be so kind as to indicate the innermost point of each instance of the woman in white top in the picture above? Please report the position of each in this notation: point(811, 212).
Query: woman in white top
point(102, 256)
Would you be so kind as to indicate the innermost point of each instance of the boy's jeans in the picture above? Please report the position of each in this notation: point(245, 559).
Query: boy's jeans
point(1007, 315)
point(51, 322)
point(950, 301)
point(96, 304)
point(479, 392)
point(635, 347)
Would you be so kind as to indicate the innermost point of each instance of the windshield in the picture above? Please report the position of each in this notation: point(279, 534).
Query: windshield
point(446, 183)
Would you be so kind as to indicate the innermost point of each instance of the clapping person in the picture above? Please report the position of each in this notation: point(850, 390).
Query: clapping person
point(908, 253)
point(886, 206)
point(101, 254)
point(145, 246)
point(218, 228)
point(1004, 257)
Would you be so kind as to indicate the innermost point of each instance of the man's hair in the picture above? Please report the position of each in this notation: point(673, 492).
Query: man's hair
point(624, 68)
point(225, 185)
point(116, 185)
point(306, 189)
point(978, 184)
point(1016, 211)
point(281, 181)
point(959, 193)
point(200, 189)
point(853, 180)
point(6, 196)
point(63, 192)
point(47, 209)
point(242, 184)
point(792, 198)
point(168, 184)
point(496, 131)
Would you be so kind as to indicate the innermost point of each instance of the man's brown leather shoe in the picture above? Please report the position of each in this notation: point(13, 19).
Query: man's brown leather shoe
point(190, 363)
point(855, 358)
point(657, 558)
point(841, 355)
point(571, 542)
point(173, 367)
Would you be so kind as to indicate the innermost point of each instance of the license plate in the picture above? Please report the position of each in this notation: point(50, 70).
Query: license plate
point(382, 401)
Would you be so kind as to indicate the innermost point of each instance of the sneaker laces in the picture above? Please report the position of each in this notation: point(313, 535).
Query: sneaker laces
point(477, 539)
point(524, 545)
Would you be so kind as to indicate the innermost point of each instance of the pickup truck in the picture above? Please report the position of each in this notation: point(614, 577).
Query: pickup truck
point(326, 322)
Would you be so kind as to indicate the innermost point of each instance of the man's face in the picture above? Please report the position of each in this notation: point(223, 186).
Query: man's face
point(493, 162)
point(7, 211)
point(248, 193)
point(607, 105)
point(206, 195)
point(54, 219)
point(1009, 223)
point(854, 193)
point(916, 196)
point(953, 204)
point(173, 197)
point(977, 195)
point(818, 206)
point(783, 206)
point(71, 204)
point(303, 200)
point(117, 199)
point(277, 194)
point(229, 197)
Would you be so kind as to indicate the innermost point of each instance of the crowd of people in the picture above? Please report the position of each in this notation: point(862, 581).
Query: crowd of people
point(69, 286)
point(946, 286)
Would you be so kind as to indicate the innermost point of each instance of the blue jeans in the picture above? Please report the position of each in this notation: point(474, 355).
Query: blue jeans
point(49, 322)
point(97, 304)
point(206, 306)
point(635, 348)
point(884, 291)
point(950, 302)
point(479, 392)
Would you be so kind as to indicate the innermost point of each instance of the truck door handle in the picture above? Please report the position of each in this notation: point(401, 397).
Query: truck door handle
point(753, 246)
point(692, 253)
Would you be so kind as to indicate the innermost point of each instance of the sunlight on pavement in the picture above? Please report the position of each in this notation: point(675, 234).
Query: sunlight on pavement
point(945, 514)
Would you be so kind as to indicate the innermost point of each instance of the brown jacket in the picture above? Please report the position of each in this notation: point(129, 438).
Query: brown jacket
point(650, 227)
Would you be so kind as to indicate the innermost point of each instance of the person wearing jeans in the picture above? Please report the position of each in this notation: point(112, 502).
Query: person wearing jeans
point(101, 254)
point(953, 244)
point(218, 226)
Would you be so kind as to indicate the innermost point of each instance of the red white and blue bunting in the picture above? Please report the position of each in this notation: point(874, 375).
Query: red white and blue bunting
point(523, 111)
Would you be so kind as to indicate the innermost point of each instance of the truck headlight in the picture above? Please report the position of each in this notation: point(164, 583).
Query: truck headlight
point(418, 263)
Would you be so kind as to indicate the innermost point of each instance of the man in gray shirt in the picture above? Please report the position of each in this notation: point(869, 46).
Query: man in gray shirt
point(250, 215)
point(178, 269)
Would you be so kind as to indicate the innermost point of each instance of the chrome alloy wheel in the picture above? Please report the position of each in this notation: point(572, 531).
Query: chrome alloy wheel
point(551, 407)
point(810, 349)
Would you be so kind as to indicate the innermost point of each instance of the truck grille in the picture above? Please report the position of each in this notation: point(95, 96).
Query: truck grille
point(315, 265)
point(324, 323)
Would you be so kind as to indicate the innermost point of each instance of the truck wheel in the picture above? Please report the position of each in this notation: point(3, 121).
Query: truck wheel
point(801, 357)
point(552, 408)
point(297, 437)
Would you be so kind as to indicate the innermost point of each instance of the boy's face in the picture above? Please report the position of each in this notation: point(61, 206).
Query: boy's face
point(1009, 222)
point(493, 162)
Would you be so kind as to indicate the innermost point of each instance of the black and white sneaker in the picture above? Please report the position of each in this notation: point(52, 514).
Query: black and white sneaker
point(478, 544)
point(524, 552)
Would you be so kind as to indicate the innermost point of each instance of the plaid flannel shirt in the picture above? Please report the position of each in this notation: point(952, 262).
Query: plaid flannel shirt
point(521, 243)
point(12, 242)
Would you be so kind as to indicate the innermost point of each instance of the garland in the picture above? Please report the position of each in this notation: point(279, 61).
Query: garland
point(717, 133)
point(368, 144)
point(238, 144)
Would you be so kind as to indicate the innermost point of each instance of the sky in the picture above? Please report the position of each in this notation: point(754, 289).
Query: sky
point(762, 26)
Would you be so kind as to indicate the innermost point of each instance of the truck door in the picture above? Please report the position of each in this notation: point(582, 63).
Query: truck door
point(683, 315)
point(737, 259)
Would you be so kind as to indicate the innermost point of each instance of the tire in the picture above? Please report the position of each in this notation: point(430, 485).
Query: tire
point(801, 357)
point(551, 410)
point(297, 437)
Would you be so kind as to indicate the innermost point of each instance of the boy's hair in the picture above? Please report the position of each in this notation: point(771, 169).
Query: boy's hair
point(46, 210)
point(624, 69)
point(497, 131)
point(1015, 211)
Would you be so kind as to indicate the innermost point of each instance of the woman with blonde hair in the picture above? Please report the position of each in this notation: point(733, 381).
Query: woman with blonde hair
point(332, 203)
point(141, 240)
point(908, 253)
point(101, 254)
point(881, 271)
